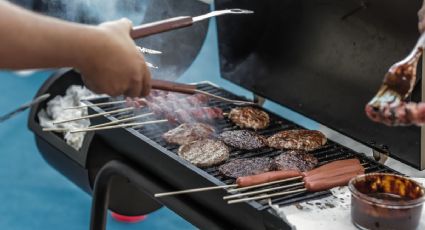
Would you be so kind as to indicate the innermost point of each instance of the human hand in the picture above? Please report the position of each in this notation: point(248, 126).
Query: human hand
point(112, 64)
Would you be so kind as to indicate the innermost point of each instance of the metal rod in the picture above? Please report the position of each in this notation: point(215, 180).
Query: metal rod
point(262, 191)
point(236, 102)
point(267, 196)
point(194, 190)
point(121, 120)
point(134, 125)
point(59, 130)
point(265, 184)
point(97, 104)
point(221, 12)
point(95, 115)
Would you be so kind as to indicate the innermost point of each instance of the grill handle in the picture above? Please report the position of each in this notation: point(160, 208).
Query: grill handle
point(160, 26)
point(173, 86)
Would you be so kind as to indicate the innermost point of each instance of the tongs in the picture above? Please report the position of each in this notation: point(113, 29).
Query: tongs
point(178, 22)
point(395, 90)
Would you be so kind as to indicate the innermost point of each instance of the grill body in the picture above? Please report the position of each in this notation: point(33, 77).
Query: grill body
point(158, 163)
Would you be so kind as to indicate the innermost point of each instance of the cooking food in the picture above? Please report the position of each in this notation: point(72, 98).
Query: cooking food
point(329, 182)
point(332, 166)
point(243, 139)
point(295, 160)
point(188, 132)
point(334, 172)
point(307, 140)
point(267, 177)
point(201, 114)
point(204, 153)
point(398, 113)
point(249, 117)
point(246, 167)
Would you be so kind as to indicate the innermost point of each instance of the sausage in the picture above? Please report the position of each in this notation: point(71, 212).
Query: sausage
point(332, 165)
point(334, 172)
point(266, 177)
point(328, 183)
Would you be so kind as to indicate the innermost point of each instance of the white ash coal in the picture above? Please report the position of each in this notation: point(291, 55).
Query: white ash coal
point(55, 111)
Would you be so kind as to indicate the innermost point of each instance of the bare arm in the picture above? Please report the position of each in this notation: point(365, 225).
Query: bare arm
point(105, 54)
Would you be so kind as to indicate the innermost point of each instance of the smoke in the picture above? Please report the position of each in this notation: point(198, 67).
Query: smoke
point(96, 11)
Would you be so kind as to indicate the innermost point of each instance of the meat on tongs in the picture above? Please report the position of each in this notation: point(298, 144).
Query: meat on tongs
point(390, 105)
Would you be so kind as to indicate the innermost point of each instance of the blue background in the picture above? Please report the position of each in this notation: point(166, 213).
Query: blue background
point(34, 196)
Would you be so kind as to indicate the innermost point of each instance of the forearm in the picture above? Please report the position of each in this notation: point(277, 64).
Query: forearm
point(29, 40)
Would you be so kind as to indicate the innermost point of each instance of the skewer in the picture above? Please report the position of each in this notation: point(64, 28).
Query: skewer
point(134, 125)
point(267, 196)
point(95, 115)
point(265, 184)
point(223, 186)
point(58, 130)
point(195, 190)
point(235, 102)
point(121, 120)
point(97, 104)
point(262, 191)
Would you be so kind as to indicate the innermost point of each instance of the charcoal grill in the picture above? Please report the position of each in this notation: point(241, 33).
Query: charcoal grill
point(123, 168)
point(154, 167)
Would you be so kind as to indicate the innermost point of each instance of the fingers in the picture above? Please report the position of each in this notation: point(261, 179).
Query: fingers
point(125, 23)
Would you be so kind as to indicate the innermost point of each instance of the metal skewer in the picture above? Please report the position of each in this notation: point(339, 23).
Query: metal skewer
point(95, 115)
point(262, 191)
point(267, 196)
point(121, 120)
point(97, 104)
point(265, 184)
point(133, 125)
point(195, 190)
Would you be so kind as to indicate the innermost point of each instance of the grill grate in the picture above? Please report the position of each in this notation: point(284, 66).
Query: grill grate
point(328, 153)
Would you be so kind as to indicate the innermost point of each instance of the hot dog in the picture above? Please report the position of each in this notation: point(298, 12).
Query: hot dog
point(266, 177)
point(332, 166)
point(323, 175)
point(328, 183)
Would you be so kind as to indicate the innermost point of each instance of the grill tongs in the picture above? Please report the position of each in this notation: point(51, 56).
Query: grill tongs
point(178, 22)
point(390, 105)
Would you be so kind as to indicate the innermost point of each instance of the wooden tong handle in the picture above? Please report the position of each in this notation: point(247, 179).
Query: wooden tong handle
point(160, 26)
point(173, 86)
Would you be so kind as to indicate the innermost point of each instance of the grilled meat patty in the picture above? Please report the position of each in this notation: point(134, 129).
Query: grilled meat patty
point(249, 117)
point(295, 160)
point(246, 167)
point(187, 133)
point(307, 140)
point(243, 139)
point(204, 153)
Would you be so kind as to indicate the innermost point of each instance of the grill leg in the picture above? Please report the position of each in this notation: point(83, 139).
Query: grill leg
point(101, 191)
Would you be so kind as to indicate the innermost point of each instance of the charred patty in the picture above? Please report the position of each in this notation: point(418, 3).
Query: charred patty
point(246, 167)
point(307, 140)
point(204, 153)
point(249, 117)
point(243, 139)
point(187, 133)
point(295, 160)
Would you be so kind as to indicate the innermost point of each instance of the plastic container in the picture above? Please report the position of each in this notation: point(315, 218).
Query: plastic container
point(385, 201)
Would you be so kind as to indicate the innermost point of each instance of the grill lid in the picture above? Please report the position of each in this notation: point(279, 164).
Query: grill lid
point(324, 60)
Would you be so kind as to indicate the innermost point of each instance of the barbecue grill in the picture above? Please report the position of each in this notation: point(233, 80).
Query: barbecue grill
point(123, 168)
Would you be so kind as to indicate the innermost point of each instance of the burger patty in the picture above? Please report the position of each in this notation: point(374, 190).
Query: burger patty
point(246, 167)
point(295, 160)
point(187, 133)
point(243, 139)
point(204, 153)
point(307, 140)
point(249, 117)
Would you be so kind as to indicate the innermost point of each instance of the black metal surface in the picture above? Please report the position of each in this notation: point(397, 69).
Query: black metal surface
point(146, 147)
point(81, 167)
point(323, 59)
